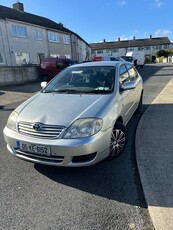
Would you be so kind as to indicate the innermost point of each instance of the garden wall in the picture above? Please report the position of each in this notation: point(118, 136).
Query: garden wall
point(18, 74)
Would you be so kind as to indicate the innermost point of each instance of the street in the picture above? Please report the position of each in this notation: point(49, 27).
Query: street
point(105, 196)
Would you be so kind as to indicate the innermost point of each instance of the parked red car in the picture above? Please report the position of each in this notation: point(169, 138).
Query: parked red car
point(49, 67)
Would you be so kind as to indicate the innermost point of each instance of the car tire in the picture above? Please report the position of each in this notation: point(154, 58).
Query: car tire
point(139, 108)
point(119, 139)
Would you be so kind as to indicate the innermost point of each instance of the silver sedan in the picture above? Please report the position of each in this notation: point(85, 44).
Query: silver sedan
point(79, 118)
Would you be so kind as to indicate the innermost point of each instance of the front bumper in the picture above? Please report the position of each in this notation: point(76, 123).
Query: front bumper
point(64, 152)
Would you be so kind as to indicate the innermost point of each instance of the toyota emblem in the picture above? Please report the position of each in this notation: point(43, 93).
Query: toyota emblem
point(37, 126)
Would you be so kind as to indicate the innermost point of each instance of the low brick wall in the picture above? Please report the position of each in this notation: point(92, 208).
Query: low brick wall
point(18, 74)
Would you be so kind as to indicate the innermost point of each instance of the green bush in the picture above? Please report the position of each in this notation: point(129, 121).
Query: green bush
point(161, 59)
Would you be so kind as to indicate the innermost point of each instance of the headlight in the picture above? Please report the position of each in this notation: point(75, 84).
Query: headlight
point(83, 128)
point(11, 123)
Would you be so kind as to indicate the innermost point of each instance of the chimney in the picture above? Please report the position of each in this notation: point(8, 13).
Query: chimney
point(18, 6)
point(119, 39)
point(134, 38)
point(150, 36)
point(104, 40)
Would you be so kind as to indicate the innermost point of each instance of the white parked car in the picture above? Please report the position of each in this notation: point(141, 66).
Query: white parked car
point(79, 118)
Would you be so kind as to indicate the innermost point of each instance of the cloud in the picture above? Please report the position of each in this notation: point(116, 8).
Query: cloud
point(158, 3)
point(162, 33)
point(121, 2)
point(124, 38)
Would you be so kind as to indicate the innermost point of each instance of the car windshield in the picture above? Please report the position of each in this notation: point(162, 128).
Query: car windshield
point(83, 79)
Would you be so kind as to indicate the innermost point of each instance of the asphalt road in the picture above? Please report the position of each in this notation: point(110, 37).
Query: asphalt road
point(105, 196)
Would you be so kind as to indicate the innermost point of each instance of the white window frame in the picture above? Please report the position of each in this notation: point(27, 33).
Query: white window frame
point(19, 31)
point(66, 39)
point(53, 37)
point(38, 35)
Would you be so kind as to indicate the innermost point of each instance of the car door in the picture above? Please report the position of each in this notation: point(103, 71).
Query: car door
point(126, 96)
point(136, 93)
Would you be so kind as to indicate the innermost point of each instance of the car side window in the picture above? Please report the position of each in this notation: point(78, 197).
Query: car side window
point(132, 72)
point(124, 75)
point(60, 65)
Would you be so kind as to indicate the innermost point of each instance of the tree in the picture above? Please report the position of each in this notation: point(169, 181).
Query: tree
point(170, 52)
point(162, 53)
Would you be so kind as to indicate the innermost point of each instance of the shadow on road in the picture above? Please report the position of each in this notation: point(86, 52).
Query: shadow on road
point(106, 179)
point(109, 179)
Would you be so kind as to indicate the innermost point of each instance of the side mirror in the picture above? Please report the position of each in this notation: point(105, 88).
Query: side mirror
point(43, 84)
point(128, 85)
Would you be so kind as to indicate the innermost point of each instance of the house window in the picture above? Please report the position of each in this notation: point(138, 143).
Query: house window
point(22, 58)
point(107, 51)
point(38, 35)
point(66, 39)
point(53, 37)
point(99, 51)
point(115, 51)
point(130, 49)
point(148, 48)
point(19, 31)
point(166, 47)
point(2, 61)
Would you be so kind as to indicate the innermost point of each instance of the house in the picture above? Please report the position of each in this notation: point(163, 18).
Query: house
point(25, 38)
point(120, 48)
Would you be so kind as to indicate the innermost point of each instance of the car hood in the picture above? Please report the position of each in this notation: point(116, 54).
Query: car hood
point(61, 109)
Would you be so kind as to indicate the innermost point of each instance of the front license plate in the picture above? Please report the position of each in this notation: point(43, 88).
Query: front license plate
point(33, 148)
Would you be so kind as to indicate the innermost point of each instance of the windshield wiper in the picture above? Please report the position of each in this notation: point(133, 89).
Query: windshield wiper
point(100, 91)
point(69, 91)
point(63, 91)
point(77, 91)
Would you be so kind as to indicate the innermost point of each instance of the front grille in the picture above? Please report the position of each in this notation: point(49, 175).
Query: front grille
point(45, 131)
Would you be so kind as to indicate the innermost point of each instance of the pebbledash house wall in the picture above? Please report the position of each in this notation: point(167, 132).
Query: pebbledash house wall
point(18, 75)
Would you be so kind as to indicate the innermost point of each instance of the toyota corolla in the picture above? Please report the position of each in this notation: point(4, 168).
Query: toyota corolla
point(79, 118)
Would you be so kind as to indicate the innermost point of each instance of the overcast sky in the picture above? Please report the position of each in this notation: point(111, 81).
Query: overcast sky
point(95, 20)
